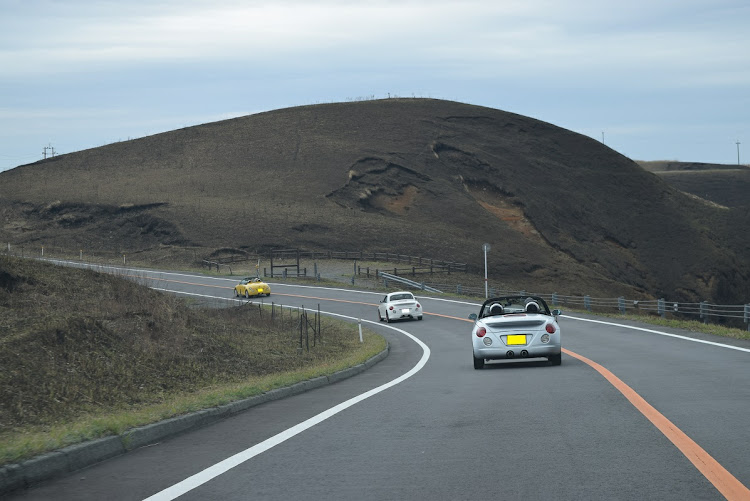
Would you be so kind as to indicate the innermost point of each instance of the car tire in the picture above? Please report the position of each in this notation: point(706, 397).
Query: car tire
point(380, 319)
point(247, 294)
point(387, 318)
point(419, 317)
point(236, 294)
point(555, 359)
point(478, 363)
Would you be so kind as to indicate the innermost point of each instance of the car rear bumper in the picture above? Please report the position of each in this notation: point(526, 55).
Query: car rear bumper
point(503, 352)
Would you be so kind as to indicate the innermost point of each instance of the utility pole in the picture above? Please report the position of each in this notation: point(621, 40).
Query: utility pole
point(602, 137)
point(44, 151)
point(738, 151)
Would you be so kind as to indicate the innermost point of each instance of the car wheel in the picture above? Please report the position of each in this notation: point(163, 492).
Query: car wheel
point(419, 317)
point(247, 294)
point(478, 363)
point(387, 318)
point(380, 319)
point(236, 294)
point(555, 359)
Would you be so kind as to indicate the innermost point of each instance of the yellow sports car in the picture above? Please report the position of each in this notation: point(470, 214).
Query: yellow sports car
point(251, 286)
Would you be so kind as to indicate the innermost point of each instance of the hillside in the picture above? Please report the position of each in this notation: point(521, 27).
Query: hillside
point(423, 177)
point(723, 184)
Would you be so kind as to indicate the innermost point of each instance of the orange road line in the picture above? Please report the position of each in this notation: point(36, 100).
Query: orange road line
point(725, 482)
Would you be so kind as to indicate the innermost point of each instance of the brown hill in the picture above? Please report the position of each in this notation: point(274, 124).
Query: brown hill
point(425, 177)
point(724, 184)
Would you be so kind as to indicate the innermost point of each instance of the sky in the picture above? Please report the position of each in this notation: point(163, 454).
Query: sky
point(652, 79)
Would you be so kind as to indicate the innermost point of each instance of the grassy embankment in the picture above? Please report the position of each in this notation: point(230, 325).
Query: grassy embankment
point(86, 355)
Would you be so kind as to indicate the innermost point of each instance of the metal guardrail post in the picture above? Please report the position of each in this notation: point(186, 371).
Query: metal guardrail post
point(747, 316)
point(587, 302)
point(704, 311)
point(660, 307)
point(554, 299)
point(458, 289)
point(621, 304)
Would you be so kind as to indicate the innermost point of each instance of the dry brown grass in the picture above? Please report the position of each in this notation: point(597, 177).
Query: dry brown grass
point(76, 344)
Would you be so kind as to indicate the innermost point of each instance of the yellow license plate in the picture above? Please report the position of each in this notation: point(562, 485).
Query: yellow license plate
point(516, 339)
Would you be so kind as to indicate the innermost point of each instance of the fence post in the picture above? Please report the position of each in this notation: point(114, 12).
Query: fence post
point(747, 316)
point(554, 299)
point(704, 311)
point(621, 304)
point(587, 302)
point(458, 289)
point(660, 307)
point(360, 330)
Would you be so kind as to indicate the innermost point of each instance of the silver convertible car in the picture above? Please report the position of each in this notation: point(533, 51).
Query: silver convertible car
point(515, 327)
point(398, 305)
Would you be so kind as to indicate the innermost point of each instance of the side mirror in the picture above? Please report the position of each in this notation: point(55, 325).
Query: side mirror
point(473, 317)
point(557, 313)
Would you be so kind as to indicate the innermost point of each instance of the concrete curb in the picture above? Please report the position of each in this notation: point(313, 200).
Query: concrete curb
point(69, 459)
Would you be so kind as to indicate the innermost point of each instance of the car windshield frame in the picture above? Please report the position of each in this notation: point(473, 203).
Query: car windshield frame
point(516, 304)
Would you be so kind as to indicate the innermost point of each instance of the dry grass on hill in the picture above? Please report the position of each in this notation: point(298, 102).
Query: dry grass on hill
point(76, 343)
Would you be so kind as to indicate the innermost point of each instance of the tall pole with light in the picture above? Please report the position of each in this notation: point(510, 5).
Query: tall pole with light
point(485, 248)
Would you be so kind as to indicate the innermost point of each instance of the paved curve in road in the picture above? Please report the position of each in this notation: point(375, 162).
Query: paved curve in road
point(630, 414)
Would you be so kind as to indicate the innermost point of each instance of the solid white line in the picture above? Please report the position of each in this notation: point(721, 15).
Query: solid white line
point(661, 333)
point(214, 471)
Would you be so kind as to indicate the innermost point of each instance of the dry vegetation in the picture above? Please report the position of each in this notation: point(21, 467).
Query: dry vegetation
point(78, 344)
point(423, 177)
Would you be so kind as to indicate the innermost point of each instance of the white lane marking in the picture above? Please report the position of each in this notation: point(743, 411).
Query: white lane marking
point(661, 333)
point(214, 471)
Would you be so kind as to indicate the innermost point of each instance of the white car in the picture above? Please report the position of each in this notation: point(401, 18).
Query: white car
point(399, 305)
point(515, 327)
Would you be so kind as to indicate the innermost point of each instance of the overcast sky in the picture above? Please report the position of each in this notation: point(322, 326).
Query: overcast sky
point(653, 79)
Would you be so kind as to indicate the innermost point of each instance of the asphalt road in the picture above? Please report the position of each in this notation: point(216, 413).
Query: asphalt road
point(630, 414)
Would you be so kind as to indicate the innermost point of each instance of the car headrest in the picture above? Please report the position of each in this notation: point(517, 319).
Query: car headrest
point(496, 309)
point(532, 307)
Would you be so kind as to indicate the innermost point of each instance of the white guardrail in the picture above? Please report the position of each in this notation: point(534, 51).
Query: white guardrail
point(406, 281)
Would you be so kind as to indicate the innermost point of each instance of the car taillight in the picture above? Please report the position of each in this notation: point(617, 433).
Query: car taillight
point(481, 332)
point(550, 328)
point(418, 305)
point(391, 308)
